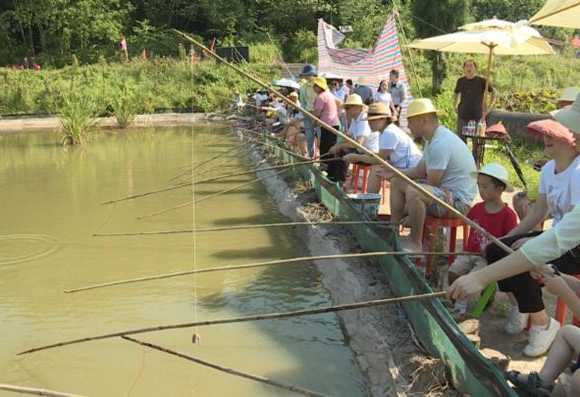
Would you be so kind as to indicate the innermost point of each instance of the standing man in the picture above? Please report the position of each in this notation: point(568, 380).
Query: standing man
point(364, 90)
point(398, 92)
point(307, 96)
point(469, 91)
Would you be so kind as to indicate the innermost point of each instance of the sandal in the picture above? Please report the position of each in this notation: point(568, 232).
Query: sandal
point(533, 385)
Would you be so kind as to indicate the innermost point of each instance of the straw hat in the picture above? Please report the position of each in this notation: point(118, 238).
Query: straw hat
point(378, 110)
point(320, 82)
point(419, 107)
point(365, 80)
point(552, 129)
point(498, 172)
point(353, 100)
point(569, 94)
point(570, 117)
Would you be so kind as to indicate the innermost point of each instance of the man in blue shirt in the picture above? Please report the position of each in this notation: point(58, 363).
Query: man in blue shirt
point(447, 170)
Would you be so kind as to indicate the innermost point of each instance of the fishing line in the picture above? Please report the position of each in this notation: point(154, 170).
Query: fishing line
point(195, 336)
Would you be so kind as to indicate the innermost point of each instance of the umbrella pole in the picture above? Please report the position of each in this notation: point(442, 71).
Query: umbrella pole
point(491, 47)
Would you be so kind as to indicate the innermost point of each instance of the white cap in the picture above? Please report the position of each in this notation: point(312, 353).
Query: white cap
point(496, 171)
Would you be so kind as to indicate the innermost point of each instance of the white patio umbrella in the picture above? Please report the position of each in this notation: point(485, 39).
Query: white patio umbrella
point(564, 13)
point(492, 37)
point(288, 83)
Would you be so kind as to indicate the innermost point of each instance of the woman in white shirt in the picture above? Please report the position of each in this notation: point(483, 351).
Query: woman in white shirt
point(394, 145)
point(559, 192)
point(383, 95)
point(357, 127)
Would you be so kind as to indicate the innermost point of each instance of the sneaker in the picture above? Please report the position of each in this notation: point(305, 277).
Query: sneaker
point(541, 339)
point(516, 321)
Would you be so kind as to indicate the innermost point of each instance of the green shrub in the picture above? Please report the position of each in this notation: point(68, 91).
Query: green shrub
point(125, 104)
point(77, 112)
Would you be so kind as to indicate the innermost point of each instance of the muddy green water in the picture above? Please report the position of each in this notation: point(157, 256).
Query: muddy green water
point(49, 207)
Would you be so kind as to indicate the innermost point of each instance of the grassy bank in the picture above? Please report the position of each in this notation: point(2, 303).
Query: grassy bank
point(138, 86)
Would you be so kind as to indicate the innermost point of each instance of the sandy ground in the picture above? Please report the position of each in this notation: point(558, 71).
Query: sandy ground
point(142, 120)
point(492, 322)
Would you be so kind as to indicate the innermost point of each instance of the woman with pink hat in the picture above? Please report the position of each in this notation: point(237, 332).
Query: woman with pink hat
point(559, 192)
point(563, 238)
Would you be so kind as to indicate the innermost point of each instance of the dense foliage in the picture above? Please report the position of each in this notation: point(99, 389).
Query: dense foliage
point(146, 86)
point(52, 31)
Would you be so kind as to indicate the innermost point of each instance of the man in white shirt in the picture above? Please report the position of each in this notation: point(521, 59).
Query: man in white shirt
point(394, 146)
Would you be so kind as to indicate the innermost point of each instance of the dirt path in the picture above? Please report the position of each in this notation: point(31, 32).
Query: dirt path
point(142, 120)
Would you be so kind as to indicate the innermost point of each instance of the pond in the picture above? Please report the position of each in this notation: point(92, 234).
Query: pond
point(50, 209)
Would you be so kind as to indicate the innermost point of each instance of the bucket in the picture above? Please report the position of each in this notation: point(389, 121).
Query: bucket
point(366, 203)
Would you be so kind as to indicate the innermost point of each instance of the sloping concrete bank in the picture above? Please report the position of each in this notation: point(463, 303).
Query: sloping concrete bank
point(142, 120)
point(379, 337)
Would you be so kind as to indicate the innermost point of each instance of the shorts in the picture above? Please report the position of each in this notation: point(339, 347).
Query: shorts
point(445, 195)
point(463, 265)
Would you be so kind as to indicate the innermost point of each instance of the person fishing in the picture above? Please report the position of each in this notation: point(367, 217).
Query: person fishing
point(561, 240)
point(447, 167)
point(326, 109)
point(394, 146)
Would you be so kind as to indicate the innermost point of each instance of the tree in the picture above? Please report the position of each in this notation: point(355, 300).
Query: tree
point(432, 18)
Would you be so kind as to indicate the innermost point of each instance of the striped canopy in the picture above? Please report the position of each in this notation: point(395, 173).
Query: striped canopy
point(373, 64)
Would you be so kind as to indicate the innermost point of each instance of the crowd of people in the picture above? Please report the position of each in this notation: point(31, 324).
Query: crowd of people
point(445, 168)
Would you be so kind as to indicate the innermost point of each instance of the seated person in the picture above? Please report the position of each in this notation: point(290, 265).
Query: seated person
point(395, 146)
point(447, 167)
point(565, 350)
point(559, 192)
point(293, 131)
point(492, 214)
point(522, 202)
point(357, 128)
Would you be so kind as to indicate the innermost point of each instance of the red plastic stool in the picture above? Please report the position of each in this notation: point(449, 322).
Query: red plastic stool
point(431, 225)
point(562, 310)
point(356, 170)
point(384, 184)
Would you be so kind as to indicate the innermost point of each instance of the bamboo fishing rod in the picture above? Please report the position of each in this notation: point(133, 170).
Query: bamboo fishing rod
point(357, 145)
point(190, 169)
point(233, 320)
point(214, 179)
point(241, 227)
point(211, 196)
point(231, 371)
point(276, 262)
point(35, 391)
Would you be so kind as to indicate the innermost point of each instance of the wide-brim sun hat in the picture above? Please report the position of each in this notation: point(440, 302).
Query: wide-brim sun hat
point(552, 129)
point(569, 94)
point(378, 110)
point(320, 82)
point(353, 100)
point(498, 172)
point(419, 107)
point(365, 80)
point(570, 117)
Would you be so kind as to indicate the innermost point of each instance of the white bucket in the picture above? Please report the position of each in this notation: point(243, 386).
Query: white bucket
point(366, 203)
